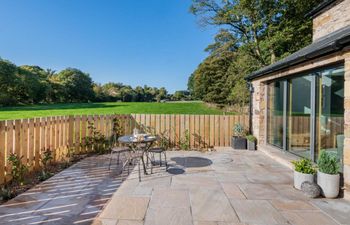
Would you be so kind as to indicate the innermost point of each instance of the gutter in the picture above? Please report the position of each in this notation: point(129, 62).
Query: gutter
point(336, 46)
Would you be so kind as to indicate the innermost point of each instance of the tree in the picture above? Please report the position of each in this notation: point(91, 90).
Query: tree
point(162, 94)
point(266, 28)
point(8, 83)
point(34, 85)
point(253, 34)
point(77, 85)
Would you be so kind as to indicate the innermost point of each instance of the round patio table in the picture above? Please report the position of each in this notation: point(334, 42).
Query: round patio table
point(138, 145)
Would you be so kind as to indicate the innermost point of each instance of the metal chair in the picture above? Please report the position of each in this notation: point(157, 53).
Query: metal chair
point(118, 151)
point(160, 151)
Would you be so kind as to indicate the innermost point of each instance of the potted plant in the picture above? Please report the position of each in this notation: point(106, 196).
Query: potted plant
point(303, 171)
point(238, 140)
point(251, 142)
point(328, 175)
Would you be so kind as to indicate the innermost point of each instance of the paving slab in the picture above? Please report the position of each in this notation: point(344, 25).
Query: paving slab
point(258, 212)
point(168, 216)
point(338, 209)
point(75, 195)
point(286, 204)
point(216, 188)
point(308, 218)
point(211, 205)
point(232, 191)
point(259, 191)
point(126, 208)
point(170, 198)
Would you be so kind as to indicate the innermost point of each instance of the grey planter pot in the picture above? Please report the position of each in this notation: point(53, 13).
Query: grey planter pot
point(251, 145)
point(329, 184)
point(300, 178)
point(239, 143)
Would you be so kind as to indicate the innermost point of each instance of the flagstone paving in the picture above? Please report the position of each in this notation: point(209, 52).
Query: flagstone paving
point(219, 188)
point(74, 196)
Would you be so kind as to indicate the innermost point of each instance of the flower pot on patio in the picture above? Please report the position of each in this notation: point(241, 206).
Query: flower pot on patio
point(251, 142)
point(303, 171)
point(328, 176)
point(329, 184)
point(239, 143)
point(300, 178)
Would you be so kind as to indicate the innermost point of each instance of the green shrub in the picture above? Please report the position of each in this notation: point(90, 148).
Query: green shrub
point(185, 141)
point(327, 163)
point(238, 130)
point(45, 161)
point(251, 138)
point(304, 166)
point(19, 170)
point(97, 141)
point(7, 193)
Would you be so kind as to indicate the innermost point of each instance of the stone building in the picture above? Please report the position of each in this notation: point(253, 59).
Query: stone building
point(301, 104)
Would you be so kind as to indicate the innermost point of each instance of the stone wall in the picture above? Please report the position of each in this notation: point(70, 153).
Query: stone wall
point(332, 19)
point(259, 102)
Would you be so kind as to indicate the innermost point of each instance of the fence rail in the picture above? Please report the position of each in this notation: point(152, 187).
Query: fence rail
point(61, 134)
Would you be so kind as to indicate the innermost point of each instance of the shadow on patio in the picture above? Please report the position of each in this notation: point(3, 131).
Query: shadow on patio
point(74, 196)
point(219, 188)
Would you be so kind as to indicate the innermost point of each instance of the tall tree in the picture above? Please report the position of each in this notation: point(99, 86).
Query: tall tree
point(8, 83)
point(253, 34)
point(77, 85)
point(267, 29)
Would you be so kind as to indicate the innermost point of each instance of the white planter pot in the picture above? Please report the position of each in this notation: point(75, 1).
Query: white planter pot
point(300, 178)
point(329, 184)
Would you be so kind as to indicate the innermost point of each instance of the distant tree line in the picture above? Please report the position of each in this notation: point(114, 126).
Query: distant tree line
point(33, 85)
point(252, 34)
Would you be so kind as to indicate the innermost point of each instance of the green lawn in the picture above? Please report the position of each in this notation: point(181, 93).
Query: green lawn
point(105, 108)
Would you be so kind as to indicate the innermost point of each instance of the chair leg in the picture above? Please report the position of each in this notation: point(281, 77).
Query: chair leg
point(160, 159)
point(110, 161)
point(139, 170)
point(118, 158)
point(129, 168)
point(166, 163)
point(147, 161)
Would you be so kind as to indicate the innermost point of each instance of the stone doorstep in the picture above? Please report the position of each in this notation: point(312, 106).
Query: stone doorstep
point(285, 159)
point(282, 157)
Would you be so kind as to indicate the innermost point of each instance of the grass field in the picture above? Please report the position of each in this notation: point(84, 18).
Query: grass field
point(105, 108)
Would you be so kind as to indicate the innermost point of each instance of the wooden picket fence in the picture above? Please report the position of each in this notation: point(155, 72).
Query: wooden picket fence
point(66, 134)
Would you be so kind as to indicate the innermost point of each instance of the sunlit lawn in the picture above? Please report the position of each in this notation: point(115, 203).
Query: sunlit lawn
point(105, 108)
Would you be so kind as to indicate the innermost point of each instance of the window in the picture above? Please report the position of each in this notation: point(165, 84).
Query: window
point(305, 113)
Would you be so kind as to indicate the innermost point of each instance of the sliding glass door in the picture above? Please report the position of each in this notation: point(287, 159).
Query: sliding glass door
point(299, 116)
point(305, 113)
point(275, 114)
point(330, 112)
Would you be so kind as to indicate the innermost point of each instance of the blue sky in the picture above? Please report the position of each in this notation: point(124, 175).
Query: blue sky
point(152, 42)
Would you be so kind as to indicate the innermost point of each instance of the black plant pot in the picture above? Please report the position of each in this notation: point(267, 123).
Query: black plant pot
point(251, 145)
point(239, 143)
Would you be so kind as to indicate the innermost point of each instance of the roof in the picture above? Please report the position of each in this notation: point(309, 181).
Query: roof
point(328, 44)
point(320, 8)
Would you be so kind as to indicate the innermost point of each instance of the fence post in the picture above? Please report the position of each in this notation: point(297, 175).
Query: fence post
point(70, 131)
point(2, 151)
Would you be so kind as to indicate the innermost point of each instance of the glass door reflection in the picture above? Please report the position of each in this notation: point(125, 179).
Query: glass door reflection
point(330, 112)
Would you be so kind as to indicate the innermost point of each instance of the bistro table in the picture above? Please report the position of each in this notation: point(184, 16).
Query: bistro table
point(138, 145)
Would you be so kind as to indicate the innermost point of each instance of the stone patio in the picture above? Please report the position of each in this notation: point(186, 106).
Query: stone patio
point(74, 196)
point(219, 188)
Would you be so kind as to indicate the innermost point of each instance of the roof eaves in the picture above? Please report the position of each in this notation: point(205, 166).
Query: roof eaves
point(324, 46)
point(319, 8)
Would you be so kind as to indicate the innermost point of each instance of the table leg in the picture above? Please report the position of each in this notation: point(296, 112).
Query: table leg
point(143, 163)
